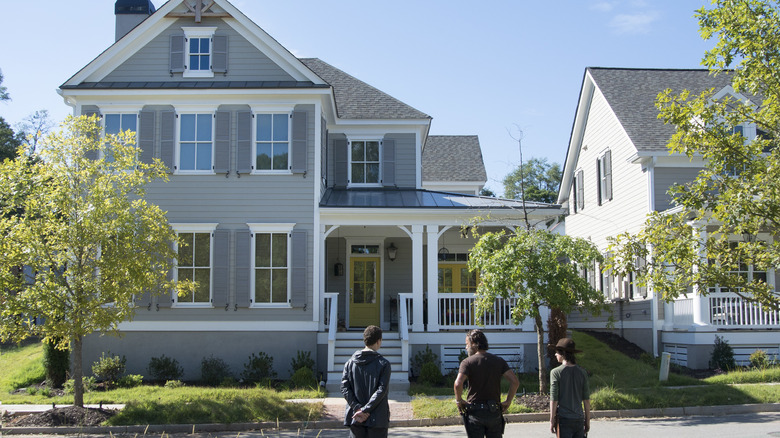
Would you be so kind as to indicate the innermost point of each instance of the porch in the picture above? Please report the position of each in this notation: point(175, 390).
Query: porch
point(721, 310)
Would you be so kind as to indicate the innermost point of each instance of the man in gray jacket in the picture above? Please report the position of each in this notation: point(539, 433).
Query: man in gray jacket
point(364, 384)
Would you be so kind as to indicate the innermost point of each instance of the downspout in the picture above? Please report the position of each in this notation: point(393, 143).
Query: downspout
point(654, 297)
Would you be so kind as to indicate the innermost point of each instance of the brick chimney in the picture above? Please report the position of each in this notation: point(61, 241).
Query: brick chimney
point(130, 13)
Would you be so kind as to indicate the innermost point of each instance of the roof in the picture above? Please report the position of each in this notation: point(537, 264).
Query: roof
point(453, 158)
point(183, 85)
point(357, 100)
point(417, 198)
point(631, 93)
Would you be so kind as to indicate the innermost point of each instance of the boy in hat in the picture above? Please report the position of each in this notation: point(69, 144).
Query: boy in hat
point(569, 392)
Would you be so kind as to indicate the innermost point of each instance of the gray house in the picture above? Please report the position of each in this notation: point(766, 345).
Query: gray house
point(310, 204)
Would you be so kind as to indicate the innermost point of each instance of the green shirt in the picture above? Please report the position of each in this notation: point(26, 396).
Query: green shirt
point(569, 387)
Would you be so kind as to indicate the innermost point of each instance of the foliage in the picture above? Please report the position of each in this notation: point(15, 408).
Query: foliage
point(431, 374)
point(302, 360)
point(130, 381)
point(743, 376)
point(108, 368)
point(88, 384)
point(172, 384)
point(421, 358)
point(537, 269)
point(162, 369)
point(258, 369)
point(722, 355)
point(9, 141)
point(541, 181)
point(213, 370)
point(83, 227)
point(57, 363)
point(487, 192)
point(3, 90)
point(303, 378)
point(34, 127)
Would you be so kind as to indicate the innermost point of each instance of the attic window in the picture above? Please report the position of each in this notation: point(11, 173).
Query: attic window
point(198, 52)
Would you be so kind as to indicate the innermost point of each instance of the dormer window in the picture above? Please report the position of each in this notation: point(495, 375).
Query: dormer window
point(198, 52)
point(365, 166)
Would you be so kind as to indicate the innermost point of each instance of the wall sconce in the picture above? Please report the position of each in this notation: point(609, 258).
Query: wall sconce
point(338, 269)
point(392, 252)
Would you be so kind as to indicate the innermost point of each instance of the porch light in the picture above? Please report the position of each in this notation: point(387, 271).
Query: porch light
point(392, 252)
point(338, 269)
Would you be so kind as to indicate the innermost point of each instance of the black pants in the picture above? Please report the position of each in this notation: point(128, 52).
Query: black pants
point(484, 423)
point(571, 428)
point(357, 431)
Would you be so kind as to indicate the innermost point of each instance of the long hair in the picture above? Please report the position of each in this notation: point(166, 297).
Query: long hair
point(478, 338)
point(568, 356)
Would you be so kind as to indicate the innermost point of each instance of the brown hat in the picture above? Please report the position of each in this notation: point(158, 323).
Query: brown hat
point(567, 344)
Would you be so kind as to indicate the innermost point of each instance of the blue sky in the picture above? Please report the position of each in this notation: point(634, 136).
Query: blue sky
point(484, 68)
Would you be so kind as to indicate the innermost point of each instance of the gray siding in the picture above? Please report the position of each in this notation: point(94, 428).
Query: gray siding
point(666, 177)
point(245, 61)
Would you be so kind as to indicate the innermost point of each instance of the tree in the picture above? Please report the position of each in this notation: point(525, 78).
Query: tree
point(738, 192)
point(541, 181)
point(536, 268)
point(3, 90)
point(88, 241)
point(9, 141)
point(34, 127)
point(487, 192)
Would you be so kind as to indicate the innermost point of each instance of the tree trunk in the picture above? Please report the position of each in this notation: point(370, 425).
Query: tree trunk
point(78, 373)
point(541, 354)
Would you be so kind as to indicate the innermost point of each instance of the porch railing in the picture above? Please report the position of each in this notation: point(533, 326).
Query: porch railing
point(459, 311)
point(683, 311)
point(731, 310)
point(404, 322)
point(330, 314)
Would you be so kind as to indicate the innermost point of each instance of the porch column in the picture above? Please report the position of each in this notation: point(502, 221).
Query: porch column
point(417, 278)
point(319, 271)
point(668, 316)
point(432, 264)
point(701, 306)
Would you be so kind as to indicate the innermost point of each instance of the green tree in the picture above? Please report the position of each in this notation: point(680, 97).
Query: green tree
point(738, 192)
point(9, 141)
point(34, 127)
point(3, 90)
point(541, 181)
point(84, 230)
point(537, 269)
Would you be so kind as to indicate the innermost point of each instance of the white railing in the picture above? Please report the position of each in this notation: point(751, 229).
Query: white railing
point(459, 311)
point(683, 311)
point(330, 317)
point(731, 310)
point(404, 322)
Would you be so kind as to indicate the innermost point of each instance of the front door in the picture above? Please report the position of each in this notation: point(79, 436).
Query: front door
point(364, 293)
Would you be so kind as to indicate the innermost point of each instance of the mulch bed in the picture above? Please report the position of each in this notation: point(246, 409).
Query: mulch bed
point(66, 416)
point(537, 402)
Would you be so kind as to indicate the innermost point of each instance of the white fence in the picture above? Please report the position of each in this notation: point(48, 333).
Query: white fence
point(731, 310)
point(459, 310)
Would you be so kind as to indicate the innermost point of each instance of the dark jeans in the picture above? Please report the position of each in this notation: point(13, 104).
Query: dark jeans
point(357, 431)
point(484, 423)
point(571, 428)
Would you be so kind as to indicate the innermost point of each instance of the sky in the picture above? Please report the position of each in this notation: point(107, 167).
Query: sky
point(500, 69)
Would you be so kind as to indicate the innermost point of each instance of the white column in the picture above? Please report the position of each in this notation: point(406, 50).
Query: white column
point(417, 278)
point(701, 306)
point(668, 316)
point(432, 264)
point(319, 273)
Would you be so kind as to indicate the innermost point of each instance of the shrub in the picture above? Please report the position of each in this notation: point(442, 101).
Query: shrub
point(258, 369)
point(760, 359)
point(109, 368)
point(302, 360)
point(174, 384)
point(303, 378)
point(722, 355)
point(214, 370)
point(430, 374)
point(228, 382)
point(462, 355)
point(423, 357)
point(57, 363)
point(162, 369)
point(88, 382)
point(130, 381)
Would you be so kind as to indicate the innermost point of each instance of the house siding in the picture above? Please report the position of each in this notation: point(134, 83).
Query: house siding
point(405, 159)
point(665, 178)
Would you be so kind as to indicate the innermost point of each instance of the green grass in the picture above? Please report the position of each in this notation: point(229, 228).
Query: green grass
point(429, 407)
point(20, 366)
point(762, 375)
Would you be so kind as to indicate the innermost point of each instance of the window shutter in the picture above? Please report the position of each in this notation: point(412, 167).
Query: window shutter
point(177, 53)
point(608, 176)
point(166, 299)
point(341, 161)
point(221, 281)
point(92, 154)
point(222, 142)
point(219, 54)
point(243, 268)
point(599, 181)
point(143, 299)
point(167, 136)
point(324, 152)
point(580, 190)
point(299, 152)
point(244, 159)
point(388, 163)
point(298, 268)
point(146, 136)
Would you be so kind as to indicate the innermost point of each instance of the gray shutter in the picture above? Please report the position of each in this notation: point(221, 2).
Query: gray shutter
point(222, 142)
point(167, 138)
point(219, 60)
point(324, 152)
point(146, 136)
point(341, 161)
point(298, 268)
point(177, 54)
point(299, 153)
point(243, 267)
point(599, 182)
point(580, 190)
point(608, 176)
point(244, 157)
point(143, 300)
point(388, 163)
point(221, 279)
point(93, 154)
point(166, 299)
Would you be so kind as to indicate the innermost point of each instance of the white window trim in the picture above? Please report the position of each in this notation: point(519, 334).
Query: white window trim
point(270, 228)
point(123, 110)
point(198, 32)
point(271, 110)
point(349, 161)
point(184, 110)
point(195, 228)
point(602, 177)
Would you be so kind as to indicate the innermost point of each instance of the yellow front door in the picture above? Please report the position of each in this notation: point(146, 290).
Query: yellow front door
point(364, 293)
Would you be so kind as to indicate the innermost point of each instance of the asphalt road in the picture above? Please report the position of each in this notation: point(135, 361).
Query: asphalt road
point(760, 425)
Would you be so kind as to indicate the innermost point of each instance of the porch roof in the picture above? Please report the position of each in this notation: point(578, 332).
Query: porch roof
point(418, 198)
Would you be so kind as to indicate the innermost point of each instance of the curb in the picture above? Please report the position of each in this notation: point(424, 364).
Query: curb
point(423, 422)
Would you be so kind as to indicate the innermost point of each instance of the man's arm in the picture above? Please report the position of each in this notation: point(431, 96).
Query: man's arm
point(458, 387)
point(553, 409)
point(586, 403)
point(381, 389)
point(513, 385)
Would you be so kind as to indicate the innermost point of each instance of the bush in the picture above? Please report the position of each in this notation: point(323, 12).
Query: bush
point(430, 374)
point(109, 368)
point(174, 384)
point(88, 382)
point(760, 359)
point(302, 360)
point(163, 369)
point(722, 355)
point(130, 381)
point(303, 378)
point(258, 369)
point(57, 363)
point(423, 357)
point(214, 370)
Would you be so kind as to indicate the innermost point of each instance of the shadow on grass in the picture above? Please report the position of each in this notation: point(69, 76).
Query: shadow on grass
point(659, 397)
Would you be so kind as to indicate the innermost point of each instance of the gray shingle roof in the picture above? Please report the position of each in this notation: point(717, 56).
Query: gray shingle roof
point(357, 100)
point(453, 158)
point(631, 94)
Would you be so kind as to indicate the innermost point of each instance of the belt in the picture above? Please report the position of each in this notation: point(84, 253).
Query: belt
point(486, 405)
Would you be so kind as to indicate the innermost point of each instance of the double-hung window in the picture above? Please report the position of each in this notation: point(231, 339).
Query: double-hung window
point(604, 172)
point(270, 279)
point(272, 142)
point(364, 162)
point(116, 122)
point(194, 262)
point(196, 139)
point(198, 51)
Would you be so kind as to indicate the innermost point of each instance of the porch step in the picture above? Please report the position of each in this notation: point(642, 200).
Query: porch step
point(349, 342)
